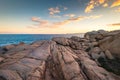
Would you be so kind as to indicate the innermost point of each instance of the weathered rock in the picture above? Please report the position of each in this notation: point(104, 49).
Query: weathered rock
point(2, 50)
point(75, 38)
point(111, 43)
point(94, 44)
point(9, 75)
point(21, 43)
point(95, 35)
point(67, 42)
point(8, 47)
point(95, 50)
point(59, 59)
point(61, 40)
point(102, 55)
point(108, 54)
point(92, 70)
point(1, 59)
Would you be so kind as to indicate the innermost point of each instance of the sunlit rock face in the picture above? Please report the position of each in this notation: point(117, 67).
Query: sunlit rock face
point(62, 58)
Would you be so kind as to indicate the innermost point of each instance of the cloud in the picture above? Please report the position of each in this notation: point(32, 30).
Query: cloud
point(116, 3)
point(114, 24)
point(92, 4)
point(117, 10)
point(56, 16)
point(41, 23)
point(85, 17)
point(89, 8)
point(104, 3)
point(94, 16)
point(78, 18)
point(53, 11)
point(36, 19)
point(70, 15)
point(65, 8)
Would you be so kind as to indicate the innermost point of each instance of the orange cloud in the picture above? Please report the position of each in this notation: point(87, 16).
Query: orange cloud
point(104, 3)
point(116, 3)
point(90, 6)
point(114, 24)
point(101, 1)
point(35, 19)
point(47, 24)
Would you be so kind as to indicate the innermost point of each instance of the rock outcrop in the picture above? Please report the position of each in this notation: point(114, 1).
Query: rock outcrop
point(59, 59)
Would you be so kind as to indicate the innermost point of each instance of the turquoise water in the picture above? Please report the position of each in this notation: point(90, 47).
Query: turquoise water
point(6, 39)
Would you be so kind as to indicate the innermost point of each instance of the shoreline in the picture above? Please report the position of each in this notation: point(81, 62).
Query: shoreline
point(94, 57)
point(36, 37)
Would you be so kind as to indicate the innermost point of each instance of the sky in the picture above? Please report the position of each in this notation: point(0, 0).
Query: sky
point(58, 16)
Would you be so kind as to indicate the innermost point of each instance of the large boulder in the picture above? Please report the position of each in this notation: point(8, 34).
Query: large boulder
point(61, 40)
point(67, 42)
point(95, 35)
point(111, 43)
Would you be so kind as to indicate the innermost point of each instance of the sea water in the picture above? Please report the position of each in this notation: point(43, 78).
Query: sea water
point(6, 39)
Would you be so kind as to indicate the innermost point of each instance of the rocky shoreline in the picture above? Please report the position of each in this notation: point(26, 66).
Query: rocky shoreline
point(94, 57)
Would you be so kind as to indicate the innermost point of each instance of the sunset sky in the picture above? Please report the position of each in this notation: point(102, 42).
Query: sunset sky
point(58, 16)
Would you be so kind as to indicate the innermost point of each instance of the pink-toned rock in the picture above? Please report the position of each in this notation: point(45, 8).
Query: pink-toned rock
point(8, 47)
point(1, 59)
point(61, 40)
point(59, 59)
point(111, 43)
point(9, 75)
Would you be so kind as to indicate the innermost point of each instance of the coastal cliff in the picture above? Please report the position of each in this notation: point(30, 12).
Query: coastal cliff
point(94, 57)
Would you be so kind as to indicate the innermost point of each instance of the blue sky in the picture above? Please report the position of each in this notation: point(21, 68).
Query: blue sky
point(58, 16)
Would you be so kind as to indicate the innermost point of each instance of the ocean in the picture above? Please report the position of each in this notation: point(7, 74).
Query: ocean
point(7, 39)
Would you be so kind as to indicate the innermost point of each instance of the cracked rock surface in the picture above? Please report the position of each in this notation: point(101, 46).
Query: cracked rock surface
point(58, 59)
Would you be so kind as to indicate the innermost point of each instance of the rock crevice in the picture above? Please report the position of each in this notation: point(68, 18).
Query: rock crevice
point(61, 59)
